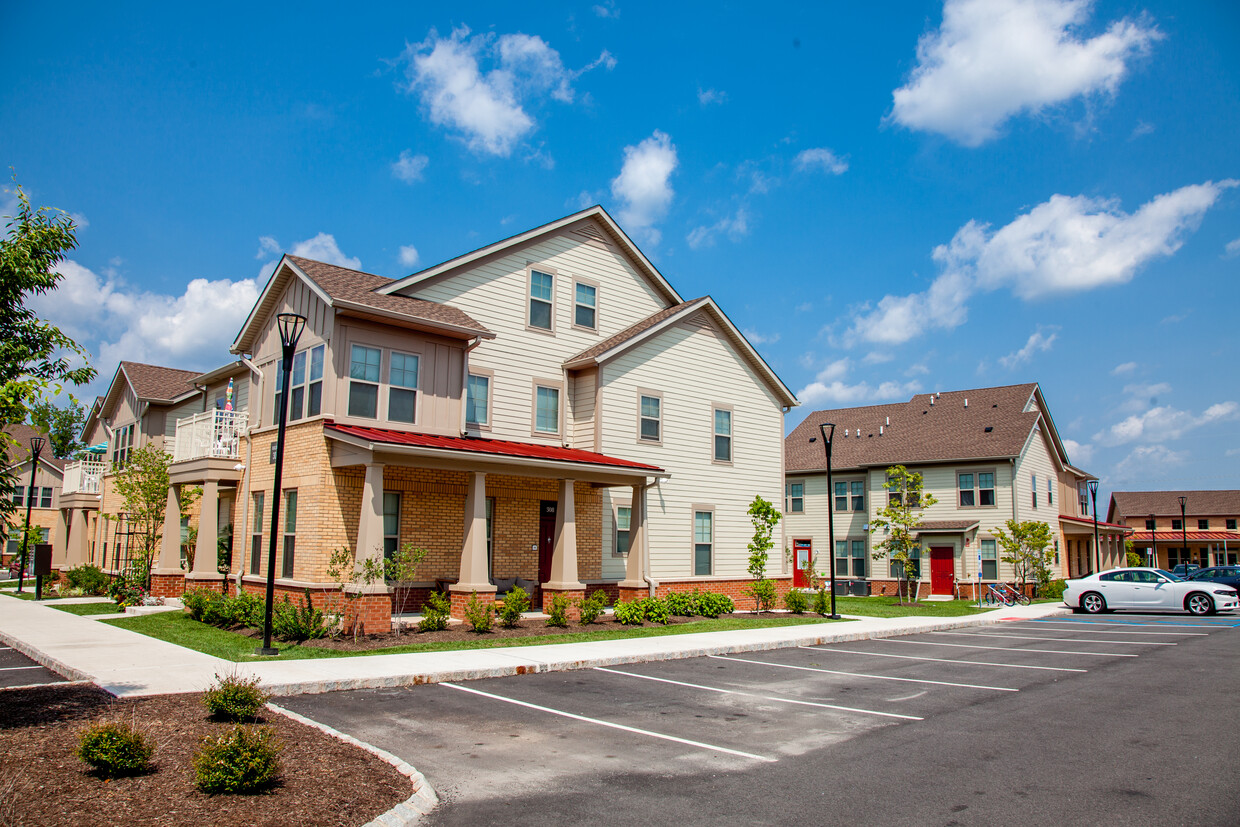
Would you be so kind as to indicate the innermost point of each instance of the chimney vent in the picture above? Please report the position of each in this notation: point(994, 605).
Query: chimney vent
point(966, 401)
point(880, 430)
point(888, 422)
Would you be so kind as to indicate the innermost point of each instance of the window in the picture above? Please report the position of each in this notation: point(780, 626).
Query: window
point(1176, 525)
point(650, 419)
point(46, 500)
point(703, 541)
point(1202, 525)
point(290, 532)
point(19, 495)
point(897, 568)
point(403, 390)
point(391, 523)
point(364, 381)
point(841, 558)
point(490, 538)
point(1050, 495)
point(1231, 525)
point(841, 496)
point(1083, 497)
point(723, 435)
point(546, 409)
point(307, 397)
point(184, 541)
point(983, 494)
point(585, 305)
point(256, 536)
point(990, 560)
point(541, 290)
point(477, 400)
point(624, 518)
point(796, 498)
point(1033, 487)
point(858, 495)
point(986, 488)
point(967, 498)
point(122, 445)
point(1149, 525)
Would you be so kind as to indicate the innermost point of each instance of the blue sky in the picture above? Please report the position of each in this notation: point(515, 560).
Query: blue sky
point(927, 197)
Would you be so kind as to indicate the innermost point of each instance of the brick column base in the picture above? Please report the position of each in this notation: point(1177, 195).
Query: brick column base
point(628, 593)
point(460, 600)
point(167, 585)
point(372, 611)
point(573, 595)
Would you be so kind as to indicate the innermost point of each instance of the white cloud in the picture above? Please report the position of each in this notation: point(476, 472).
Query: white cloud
point(736, 226)
point(757, 338)
point(1142, 128)
point(993, 59)
point(488, 106)
point(607, 9)
point(1080, 455)
point(1175, 318)
point(822, 159)
point(1232, 248)
point(644, 187)
point(877, 357)
point(267, 247)
point(408, 255)
point(1065, 245)
point(830, 389)
point(409, 167)
point(1125, 368)
point(1146, 461)
point(1164, 423)
point(708, 96)
point(1037, 342)
point(323, 248)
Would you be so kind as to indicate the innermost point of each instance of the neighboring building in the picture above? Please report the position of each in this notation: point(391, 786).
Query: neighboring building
point(987, 455)
point(1207, 537)
point(45, 500)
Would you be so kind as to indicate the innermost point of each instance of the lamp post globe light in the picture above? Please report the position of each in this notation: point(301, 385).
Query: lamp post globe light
point(1096, 558)
point(828, 431)
point(291, 327)
point(1183, 534)
point(36, 448)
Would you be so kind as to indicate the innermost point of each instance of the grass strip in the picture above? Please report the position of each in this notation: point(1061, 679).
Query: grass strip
point(29, 595)
point(885, 606)
point(86, 609)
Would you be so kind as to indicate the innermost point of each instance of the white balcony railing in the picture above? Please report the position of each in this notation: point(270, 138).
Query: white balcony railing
point(210, 434)
point(83, 477)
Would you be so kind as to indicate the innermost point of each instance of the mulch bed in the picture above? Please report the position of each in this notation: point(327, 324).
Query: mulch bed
point(323, 781)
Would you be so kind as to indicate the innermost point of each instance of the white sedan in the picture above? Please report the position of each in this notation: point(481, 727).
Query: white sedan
point(1147, 590)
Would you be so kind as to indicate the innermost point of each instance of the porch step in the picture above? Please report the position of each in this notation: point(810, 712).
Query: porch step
point(934, 597)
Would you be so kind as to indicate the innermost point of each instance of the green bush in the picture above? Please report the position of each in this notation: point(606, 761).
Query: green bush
point(297, 623)
point(435, 613)
point(796, 602)
point(1053, 590)
point(243, 760)
point(684, 604)
point(234, 698)
point(557, 612)
point(215, 609)
point(114, 749)
point(713, 604)
point(478, 614)
point(592, 606)
point(630, 612)
point(656, 610)
point(195, 602)
point(126, 592)
point(515, 602)
point(244, 610)
point(822, 602)
point(763, 593)
point(90, 579)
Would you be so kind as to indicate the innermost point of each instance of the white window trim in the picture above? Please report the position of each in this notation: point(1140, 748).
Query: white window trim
point(653, 395)
point(529, 286)
point(848, 495)
point(597, 290)
point(489, 375)
point(349, 380)
point(977, 487)
point(731, 460)
point(982, 560)
point(554, 384)
point(788, 498)
point(694, 510)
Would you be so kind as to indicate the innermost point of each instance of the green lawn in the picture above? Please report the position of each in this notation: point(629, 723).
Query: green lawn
point(883, 606)
point(12, 584)
point(108, 608)
point(28, 594)
point(178, 628)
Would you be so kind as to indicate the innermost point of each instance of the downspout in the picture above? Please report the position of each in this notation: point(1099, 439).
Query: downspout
point(465, 383)
point(651, 584)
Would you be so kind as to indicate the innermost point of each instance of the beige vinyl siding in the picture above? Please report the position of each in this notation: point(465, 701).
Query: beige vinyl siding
point(1035, 459)
point(696, 369)
point(811, 523)
point(298, 297)
point(496, 293)
point(582, 390)
point(187, 408)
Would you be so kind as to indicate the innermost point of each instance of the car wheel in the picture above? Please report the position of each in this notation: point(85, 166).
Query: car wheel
point(1093, 603)
point(1199, 604)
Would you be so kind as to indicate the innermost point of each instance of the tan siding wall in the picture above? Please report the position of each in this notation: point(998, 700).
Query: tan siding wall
point(582, 386)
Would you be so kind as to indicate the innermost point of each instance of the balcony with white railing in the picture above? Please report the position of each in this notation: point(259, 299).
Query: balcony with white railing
point(211, 434)
point(83, 477)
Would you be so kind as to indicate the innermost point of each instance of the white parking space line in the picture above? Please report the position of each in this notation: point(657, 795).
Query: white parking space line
point(761, 697)
point(863, 675)
point(946, 660)
point(1062, 639)
point(1134, 623)
point(16, 668)
point(1108, 631)
point(1008, 648)
point(610, 725)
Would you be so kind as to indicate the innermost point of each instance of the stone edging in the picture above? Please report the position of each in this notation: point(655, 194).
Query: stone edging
point(405, 814)
point(74, 675)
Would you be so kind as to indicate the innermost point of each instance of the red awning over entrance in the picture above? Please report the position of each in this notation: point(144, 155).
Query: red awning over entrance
point(1191, 536)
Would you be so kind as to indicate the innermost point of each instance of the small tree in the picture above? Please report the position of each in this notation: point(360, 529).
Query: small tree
point(764, 516)
point(344, 568)
point(1024, 547)
point(400, 570)
point(62, 426)
point(143, 488)
point(1131, 556)
point(900, 520)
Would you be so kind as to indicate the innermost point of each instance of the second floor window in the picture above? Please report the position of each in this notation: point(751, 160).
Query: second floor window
point(541, 290)
point(651, 416)
point(982, 494)
point(1231, 525)
point(796, 498)
point(1033, 486)
point(403, 393)
point(290, 533)
point(122, 446)
point(364, 381)
point(585, 305)
point(477, 400)
point(723, 435)
point(1050, 496)
point(546, 410)
point(1202, 525)
point(1149, 525)
point(1176, 525)
point(306, 382)
point(45, 500)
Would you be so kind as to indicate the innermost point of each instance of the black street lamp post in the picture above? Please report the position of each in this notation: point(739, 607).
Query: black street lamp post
point(828, 431)
point(36, 448)
point(1153, 552)
point(291, 327)
point(1096, 562)
point(1183, 534)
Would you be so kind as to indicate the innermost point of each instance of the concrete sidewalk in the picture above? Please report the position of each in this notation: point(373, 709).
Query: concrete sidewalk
point(129, 664)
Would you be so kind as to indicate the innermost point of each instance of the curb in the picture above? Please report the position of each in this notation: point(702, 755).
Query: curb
point(404, 814)
point(63, 669)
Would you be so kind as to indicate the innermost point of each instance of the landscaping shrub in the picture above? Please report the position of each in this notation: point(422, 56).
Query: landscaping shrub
point(215, 609)
point(630, 612)
point(592, 606)
point(822, 602)
point(684, 604)
point(655, 610)
point(243, 760)
point(763, 593)
point(195, 602)
point(1053, 590)
point(114, 749)
point(297, 623)
point(90, 579)
point(796, 602)
point(435, 613)
point(234, 698)
point(515, 602)
point(126, 592)
point(557, 612)
point(713, 604)
point(478, 614)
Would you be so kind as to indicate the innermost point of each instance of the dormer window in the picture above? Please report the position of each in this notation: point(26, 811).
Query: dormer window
point(542, 289)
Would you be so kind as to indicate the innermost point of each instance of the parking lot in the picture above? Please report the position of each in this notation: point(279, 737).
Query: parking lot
point(18, 670)
point(1080, 718)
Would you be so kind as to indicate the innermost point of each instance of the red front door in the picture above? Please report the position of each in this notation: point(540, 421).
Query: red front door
point(802, 559)
point(941, 569)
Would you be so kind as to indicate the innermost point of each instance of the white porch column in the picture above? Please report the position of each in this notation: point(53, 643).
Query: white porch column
point(78, 546)
point(564, 556)
point(170, 544)
point(474, 576)
point(635, 567)
point(205, 565)
point(370, 522)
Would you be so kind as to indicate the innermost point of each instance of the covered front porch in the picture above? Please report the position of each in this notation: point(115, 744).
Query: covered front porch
point(1077, 557)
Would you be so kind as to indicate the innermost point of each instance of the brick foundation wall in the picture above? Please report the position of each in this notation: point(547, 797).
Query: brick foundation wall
point(167, 585)
point(460, 600)
point(573, 595)
point(734, 589)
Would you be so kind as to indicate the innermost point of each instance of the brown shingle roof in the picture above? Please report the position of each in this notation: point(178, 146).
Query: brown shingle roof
point(631, 331)
point(918, 431)
point(354, 286)
point(1136, 504)
point(158, 383)
point(19, 454)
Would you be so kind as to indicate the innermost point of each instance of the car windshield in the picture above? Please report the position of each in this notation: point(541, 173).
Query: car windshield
point(1173, 577)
